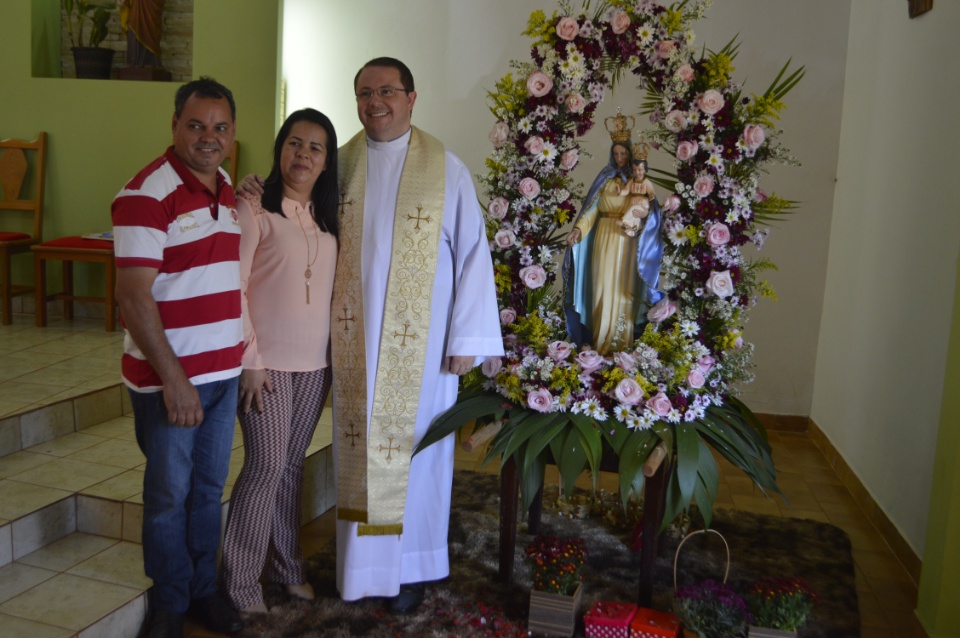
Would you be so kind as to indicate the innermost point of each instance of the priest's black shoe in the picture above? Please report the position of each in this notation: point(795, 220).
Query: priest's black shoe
point(165, 624)
point(216, 614)
point(408, 600)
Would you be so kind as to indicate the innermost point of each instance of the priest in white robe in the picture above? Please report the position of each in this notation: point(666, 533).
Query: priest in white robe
point(423, 270)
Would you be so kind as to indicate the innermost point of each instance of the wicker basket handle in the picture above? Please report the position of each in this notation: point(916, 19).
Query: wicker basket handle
point(676, 556)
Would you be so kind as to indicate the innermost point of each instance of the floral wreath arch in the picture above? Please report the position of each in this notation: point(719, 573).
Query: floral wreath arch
point(676, 383)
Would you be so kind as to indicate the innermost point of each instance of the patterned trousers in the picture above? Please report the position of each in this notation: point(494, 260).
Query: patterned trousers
point(263, 526)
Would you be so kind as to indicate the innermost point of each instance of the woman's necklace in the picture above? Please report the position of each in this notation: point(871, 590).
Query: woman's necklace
point(308, 273)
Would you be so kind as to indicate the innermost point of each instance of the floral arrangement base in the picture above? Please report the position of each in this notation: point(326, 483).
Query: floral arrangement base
point(764, 632)
point(554, 614)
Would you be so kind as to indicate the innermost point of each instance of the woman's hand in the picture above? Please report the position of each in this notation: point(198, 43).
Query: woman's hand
point(573, 237)
point(251, 185)
point(252, 384)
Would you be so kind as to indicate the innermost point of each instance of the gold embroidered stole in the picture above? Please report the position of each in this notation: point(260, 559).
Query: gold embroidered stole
point(373, 470)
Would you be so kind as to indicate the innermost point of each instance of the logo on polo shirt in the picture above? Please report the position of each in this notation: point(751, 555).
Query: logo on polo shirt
point(187, 222)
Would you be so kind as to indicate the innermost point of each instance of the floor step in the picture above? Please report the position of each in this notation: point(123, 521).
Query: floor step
point(70, 517)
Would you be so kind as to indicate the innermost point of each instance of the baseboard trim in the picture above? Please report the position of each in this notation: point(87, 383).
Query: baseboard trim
point(784, 422)
point(900, 547)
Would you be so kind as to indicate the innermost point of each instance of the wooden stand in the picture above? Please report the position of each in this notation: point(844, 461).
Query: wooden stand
point(654, 493)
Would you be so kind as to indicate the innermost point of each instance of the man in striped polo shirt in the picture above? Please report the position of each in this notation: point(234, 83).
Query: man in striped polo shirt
point(178, 285)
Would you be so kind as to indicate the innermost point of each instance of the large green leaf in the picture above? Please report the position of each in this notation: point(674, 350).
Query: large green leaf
point(527, 429)
point(615, 434)
point(572, 460)
point(467, 409)
point(531, 480)
point(636, 449)
point(539, 441)
point(592, 443)
point(708, 479)
point(688, 459)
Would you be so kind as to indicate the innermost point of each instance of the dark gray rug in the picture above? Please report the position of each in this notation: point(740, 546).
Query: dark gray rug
point(472, 602)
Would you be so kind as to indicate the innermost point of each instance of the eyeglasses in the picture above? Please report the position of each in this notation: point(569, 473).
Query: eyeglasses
point(384, 92)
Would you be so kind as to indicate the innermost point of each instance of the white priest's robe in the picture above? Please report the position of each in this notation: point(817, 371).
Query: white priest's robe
point(464, 321)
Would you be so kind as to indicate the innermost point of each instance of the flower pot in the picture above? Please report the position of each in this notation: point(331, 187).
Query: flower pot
point(763, 632)
point(93, 62)
point(554, 614)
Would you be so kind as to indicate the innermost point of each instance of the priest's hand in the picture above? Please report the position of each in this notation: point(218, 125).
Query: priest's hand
point(251, 185)
point(252, 384)
point(458, 365)
point(573, 237)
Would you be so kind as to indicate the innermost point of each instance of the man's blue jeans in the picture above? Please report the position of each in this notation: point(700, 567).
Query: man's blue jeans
point(182, 489)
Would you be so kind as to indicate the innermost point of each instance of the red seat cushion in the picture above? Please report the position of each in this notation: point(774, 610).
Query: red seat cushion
point(13, 236)
point(77, 241)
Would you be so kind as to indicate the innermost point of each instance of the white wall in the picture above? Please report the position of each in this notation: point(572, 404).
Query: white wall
point(893, 254)
point(457, 49)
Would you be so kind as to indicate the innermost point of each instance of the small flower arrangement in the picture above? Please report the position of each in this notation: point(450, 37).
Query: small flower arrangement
point(555, 563)
point(711, 609)
point(781, 603)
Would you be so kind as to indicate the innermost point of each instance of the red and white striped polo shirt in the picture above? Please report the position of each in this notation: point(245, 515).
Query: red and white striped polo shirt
point(165, 218)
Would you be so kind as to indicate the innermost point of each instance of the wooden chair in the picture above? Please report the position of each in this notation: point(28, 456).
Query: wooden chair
point(230, 162)
point(69, 250)
point(14, 169)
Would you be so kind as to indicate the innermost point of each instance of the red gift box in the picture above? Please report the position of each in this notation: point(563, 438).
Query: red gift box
point(609, 619)
point(649, 623)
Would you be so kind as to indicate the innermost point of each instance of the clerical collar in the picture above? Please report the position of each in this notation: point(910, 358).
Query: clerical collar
point(402, 141)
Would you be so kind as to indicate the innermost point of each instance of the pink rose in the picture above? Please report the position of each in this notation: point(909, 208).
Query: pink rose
point(507, 316)
point(695, 379)
point(710, 102)
point(498, 207)
point(625, 361)
point(675, 121)
point(720, 284)
point(703, 186)
point(499, 134)
point(504, 239)
point(753, 136)
point(759, 196)
point(590, 360)
point(539, 84)
point(686, 150)
point(569, 159)
point(491, 367)
point(718, 234)
point(685, 73)
point(534, 145)
point(660, 404)
point(619, 22)
point(664, 48)
point(540, 400)
point(705, 363)
point(628, 392)
point(529, 188)
point(575, 103)
point(533, 276)
point(662, 310)
point(559, 350)
point(567, 28)
point(671, 203)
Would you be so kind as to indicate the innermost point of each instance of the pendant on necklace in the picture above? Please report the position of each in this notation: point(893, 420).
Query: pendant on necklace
point(307, 284)
point(307, 273)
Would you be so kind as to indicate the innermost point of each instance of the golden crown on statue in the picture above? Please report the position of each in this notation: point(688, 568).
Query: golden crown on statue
point(620, 128)
point(640, 150)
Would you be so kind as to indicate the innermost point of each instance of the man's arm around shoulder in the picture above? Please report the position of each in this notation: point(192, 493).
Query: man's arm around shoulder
point(142, 319)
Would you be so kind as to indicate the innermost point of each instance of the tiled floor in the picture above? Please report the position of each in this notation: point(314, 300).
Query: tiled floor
point(83, 572)
point(40, 366)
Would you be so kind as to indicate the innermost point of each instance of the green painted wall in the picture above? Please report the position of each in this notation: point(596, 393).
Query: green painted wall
point(937, 605)
point(101, 132)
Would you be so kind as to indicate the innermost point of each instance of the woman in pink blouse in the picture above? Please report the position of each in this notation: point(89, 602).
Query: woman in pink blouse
point(288, 254)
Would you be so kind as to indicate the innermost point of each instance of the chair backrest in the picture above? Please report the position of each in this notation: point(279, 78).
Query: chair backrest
point(14, 171)
point(230, 162)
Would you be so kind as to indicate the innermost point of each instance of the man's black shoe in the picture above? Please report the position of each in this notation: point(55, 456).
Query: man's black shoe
point(408, 600)
point(216, 614)
point(165, 624)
